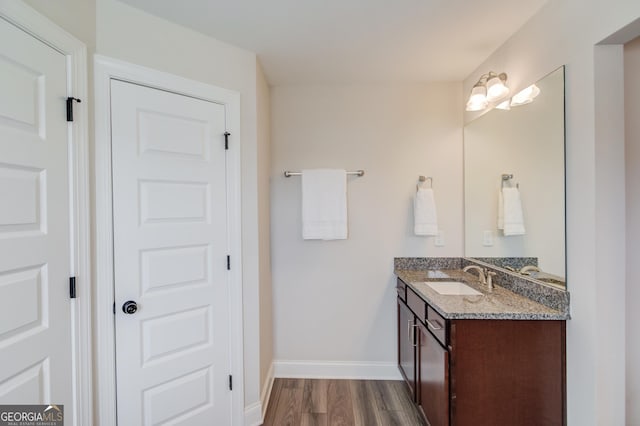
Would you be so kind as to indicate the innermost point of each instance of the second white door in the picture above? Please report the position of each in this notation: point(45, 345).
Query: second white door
point(170, 258)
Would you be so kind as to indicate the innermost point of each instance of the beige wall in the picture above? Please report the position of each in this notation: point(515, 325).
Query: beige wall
point(565, 33)
point(632, 166)
point(335, 300)
point(78, 17)
point(264, 227)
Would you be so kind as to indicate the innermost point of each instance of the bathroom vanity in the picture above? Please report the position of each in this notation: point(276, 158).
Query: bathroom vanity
point(493, 358)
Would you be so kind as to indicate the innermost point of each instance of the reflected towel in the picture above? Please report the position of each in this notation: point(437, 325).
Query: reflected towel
point(424, 212)
point(324, 204)
point(500, 210)
point(513, 217)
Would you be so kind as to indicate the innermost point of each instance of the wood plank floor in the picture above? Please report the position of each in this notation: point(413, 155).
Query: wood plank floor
point(326, 402)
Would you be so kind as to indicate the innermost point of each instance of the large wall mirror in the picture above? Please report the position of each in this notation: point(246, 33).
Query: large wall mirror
point(521, 148)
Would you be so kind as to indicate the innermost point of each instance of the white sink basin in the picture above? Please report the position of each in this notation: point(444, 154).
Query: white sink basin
point(452, 288)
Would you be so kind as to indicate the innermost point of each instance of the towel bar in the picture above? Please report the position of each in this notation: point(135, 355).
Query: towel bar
point(287, 173)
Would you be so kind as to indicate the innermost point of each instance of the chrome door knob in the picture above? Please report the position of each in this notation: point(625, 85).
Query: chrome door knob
point(129, 307)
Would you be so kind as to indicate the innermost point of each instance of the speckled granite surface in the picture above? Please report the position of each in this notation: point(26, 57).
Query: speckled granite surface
point(497, 304)
point(501, 303)
point(512, 262)
point(419, 263)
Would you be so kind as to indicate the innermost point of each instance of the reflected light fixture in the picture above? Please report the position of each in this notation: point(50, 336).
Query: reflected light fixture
point(489, 88)
point(525, 96)
point(504, 105)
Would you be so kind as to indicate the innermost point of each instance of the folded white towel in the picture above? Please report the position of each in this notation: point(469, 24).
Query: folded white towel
point(513, 218)
point(500, 210)
point(424, 212)
point(324, 204)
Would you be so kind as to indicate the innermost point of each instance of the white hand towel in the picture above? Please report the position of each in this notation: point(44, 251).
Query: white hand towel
point(500, 210)
point(424, 212)
point(324, 204)
point(513, 218)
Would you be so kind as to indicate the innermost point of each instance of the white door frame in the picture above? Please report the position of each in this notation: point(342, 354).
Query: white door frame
point(35, 24)
point(107, 69)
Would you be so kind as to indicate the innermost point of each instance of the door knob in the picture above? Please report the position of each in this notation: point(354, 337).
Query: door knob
point(129, 307)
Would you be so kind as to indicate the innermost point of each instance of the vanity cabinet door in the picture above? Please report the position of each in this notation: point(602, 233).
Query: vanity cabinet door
point(406, 346)
point(433, 373)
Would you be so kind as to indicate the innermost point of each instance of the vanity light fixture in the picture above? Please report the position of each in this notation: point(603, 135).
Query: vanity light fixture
point(478, 98)
point(525, 96)
point(489, 88)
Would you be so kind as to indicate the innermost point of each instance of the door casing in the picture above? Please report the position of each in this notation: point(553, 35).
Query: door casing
point(107, 69)
point(35, 24)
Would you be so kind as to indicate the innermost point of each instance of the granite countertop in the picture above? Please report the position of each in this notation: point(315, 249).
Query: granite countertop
point(497, 304)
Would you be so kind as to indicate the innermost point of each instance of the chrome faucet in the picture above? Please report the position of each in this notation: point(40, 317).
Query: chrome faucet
point(481, 271)
point(485, 276)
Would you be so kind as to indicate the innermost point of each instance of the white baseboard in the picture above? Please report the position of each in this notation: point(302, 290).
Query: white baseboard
point(337, 370)
point(266, 391)
point(253, 414)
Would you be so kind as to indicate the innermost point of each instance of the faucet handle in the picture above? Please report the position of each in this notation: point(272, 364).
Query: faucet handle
point(490, 275)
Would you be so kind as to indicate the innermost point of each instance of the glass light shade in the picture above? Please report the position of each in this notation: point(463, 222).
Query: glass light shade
point(477, 99)
point(525, 96)
point(505, 105)
point(496, 89)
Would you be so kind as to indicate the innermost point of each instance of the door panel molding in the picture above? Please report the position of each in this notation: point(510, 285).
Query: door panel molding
point(38, 26)
point(107, 69)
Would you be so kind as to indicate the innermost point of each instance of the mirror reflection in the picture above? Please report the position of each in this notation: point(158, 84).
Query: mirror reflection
point(514, 185)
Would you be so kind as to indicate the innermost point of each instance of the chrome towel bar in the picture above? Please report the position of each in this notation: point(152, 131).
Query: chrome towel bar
point(287, 173)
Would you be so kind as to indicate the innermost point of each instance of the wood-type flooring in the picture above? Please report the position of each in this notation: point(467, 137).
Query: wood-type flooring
point(328, 402)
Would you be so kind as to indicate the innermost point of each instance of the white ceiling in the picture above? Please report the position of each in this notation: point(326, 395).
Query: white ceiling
point(349, 41)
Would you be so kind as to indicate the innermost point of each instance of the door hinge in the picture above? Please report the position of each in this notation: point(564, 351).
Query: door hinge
point(226, 140)
point(228, 263)
point(70, 107)
point(72, 287)
point(114, 308)
point(230, 382)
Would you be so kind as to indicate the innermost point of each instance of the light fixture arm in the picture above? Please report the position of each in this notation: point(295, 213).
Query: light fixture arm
point(484, 78)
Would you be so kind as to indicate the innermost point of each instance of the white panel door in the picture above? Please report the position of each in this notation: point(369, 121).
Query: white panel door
point(35, 315)
point(170, 251)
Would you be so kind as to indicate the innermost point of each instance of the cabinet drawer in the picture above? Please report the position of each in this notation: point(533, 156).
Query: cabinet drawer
point(401, 288)
point(417, 305)
point(437, 325)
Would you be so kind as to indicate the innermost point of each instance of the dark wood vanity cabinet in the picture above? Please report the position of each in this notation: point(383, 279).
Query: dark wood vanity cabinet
point(482, 371)
point(433, 367)
point(406, 345)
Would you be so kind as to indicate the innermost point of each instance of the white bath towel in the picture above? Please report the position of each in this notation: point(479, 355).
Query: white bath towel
point(324, 204)
point(500, 210)
point(513, 217)
point(424, 212)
